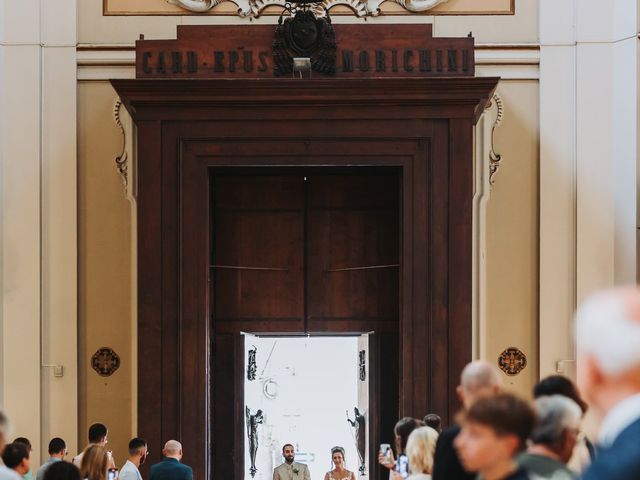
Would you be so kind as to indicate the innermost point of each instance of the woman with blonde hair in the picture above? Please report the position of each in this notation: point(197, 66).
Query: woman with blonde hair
point(95, 463)
point(421, 446)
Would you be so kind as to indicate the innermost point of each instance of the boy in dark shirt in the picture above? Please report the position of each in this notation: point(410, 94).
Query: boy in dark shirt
point(494, 431)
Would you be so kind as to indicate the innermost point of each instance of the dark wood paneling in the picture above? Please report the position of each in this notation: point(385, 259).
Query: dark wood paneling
point(422, 126)
point(151, 361)
point(258, 224)
point(352, 222)
point(227, 408)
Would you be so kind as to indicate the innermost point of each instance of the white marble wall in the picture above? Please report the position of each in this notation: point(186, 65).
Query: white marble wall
point(588, 160)
point(38, 220)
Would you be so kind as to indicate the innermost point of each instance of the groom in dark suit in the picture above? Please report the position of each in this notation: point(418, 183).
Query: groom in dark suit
point(170, 468)
point(608, 341)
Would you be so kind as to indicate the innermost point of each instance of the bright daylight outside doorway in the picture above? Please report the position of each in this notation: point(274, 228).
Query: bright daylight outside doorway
point(307, 389)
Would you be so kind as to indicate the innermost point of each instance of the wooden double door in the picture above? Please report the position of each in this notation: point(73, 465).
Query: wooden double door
point(303, 251)
point(188, 130)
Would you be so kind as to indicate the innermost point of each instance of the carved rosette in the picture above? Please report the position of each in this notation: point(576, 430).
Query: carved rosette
point(105, 361)
point(255, 8)
point(512, 361)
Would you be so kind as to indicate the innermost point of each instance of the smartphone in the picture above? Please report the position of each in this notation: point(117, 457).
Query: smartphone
point(403, 466)
point(385, 448)
point(113, 474)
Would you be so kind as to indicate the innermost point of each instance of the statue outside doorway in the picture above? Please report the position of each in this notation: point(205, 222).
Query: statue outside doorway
point(359, 426)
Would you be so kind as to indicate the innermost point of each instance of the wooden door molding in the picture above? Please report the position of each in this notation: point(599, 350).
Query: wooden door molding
point(422, 126)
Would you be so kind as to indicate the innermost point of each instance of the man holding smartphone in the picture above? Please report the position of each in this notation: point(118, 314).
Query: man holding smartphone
point(98, 435)
point(138, 452)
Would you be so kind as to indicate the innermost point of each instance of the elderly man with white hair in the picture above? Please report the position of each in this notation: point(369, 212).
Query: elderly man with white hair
point(608, 344)
point(479, 379)
point(170, 467)
point(5, 472)
point(553, 438)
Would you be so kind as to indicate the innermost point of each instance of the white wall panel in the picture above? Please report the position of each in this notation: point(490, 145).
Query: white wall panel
point(20, 216)
point(20, 22)
point(557, 204)
point(59, 244)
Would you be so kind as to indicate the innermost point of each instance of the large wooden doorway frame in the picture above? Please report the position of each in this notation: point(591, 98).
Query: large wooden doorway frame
point(382, 367)
point(423, 126)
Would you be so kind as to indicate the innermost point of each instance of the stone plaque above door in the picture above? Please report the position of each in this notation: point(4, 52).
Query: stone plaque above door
point(249, 51)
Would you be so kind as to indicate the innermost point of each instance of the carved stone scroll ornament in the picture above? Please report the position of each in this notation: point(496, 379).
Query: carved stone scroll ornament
point(122, 159)
point(255, 8)
point(495, 159)
point(198, 6)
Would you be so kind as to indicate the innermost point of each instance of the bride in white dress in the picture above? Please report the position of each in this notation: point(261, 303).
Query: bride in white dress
point(339, 471)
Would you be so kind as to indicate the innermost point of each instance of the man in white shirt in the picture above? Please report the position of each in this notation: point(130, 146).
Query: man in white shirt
point(98, 435)
point(5, 473)
point(608, 341)
point(137, 455)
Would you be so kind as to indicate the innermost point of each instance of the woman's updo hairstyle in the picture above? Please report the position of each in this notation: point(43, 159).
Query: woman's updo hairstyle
point(335, 450)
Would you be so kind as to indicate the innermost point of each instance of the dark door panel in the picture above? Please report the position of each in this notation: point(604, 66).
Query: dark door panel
point(306, 241)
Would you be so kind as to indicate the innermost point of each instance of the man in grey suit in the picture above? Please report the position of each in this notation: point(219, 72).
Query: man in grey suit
point(290, 470)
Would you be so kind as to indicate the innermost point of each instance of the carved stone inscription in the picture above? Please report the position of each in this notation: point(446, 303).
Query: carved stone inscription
point(242, 51)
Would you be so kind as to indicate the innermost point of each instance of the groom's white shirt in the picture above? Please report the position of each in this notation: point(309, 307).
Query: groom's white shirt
point(295, 471)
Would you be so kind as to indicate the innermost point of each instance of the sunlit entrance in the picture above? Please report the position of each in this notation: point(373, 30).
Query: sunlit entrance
point(311, 392)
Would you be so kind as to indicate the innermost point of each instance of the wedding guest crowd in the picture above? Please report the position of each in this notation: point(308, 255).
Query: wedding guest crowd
point(499, 436)
point(496, 436)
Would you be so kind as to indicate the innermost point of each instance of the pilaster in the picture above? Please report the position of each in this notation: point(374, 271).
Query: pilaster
point(38, 383)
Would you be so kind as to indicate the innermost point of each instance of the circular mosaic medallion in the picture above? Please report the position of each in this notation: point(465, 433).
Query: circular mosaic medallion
point(512, 361)
point(105, 361)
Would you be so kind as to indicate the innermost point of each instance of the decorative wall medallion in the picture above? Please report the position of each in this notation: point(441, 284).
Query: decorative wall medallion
point(105, 361)
point(512, 361)
point(270, 389)
point(251, 364)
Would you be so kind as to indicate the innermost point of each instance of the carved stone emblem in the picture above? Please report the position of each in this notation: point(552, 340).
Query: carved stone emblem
point(105, 361)
point(304, 35)
point(512, 361)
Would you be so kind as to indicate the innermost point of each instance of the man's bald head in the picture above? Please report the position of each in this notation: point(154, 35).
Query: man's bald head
point(172, 449)
point(478, 379)
point(608, 339)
